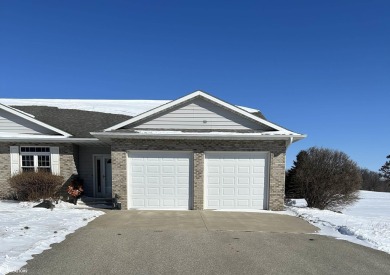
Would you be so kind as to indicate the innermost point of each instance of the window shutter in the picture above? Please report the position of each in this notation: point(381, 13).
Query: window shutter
point(15, 166)
point(55, 160)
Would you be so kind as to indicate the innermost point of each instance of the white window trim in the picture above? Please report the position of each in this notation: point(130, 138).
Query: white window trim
point(16, 159)
point(35, 160)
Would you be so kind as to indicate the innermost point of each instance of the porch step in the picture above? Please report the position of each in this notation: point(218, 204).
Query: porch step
point(106, 203)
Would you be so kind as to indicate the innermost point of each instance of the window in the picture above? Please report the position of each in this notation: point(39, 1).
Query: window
point(35, 158)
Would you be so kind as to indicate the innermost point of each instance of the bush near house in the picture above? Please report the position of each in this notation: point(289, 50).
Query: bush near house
point(32, 186)
point(326, 178)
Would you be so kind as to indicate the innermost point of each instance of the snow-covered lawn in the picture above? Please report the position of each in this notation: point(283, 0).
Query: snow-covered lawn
point(367, 222)
point(25, 231)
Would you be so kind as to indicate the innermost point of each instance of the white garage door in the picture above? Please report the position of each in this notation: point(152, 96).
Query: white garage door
point(236, 180)
point(159, 180)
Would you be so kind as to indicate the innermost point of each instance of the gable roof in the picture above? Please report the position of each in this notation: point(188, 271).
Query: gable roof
point(196, 94)
point(32, 119)
point(69, 120)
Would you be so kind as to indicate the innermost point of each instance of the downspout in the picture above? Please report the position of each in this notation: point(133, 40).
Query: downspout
point(289, 141)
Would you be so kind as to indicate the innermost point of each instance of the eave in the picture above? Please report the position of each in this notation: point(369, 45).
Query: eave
point(208, 136)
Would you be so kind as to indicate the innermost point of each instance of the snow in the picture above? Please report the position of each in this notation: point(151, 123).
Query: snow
point(25, 231)
point(367, 222)
point(121, 107)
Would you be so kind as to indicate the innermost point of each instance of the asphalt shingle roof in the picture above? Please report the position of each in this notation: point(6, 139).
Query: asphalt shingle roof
point(78, 123)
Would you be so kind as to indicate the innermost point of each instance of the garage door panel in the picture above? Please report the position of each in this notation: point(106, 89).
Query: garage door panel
point(138, 191)
point(243, 203)
point(137, 169)
point(243, 191)
point(182, 169)
point(235, 180)
point(168, 169)
point(159, 180)
point(259, 181)
point(228, 181)
point(228, 169)
point(228, 203)
point(140, 202)
point(228, 191)
point(182, 191)
point(213, 170)
point(168, 180)
point(213, 180)
point(244, 169)
point(259, 170)
point(168, 191)
point(152, 191)
point(243, 181)
point(152, 180)
point(258, 192)
point(182, 180)
point(257, 203)
point(168, 202)
point(138, 180)
point(214, 191)
point(182, 203)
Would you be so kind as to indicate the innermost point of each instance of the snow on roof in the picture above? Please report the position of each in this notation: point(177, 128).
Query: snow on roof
point(121, 107)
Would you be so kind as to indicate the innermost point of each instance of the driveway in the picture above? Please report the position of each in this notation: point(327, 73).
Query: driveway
point(204, 242)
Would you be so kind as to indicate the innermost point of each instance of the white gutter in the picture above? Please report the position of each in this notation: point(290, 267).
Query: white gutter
point(49, 139)
point(291, 138)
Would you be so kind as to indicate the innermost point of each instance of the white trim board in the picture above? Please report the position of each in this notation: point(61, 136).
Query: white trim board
point(193, 95)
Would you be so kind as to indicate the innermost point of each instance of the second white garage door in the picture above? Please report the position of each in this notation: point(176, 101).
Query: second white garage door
point(159, 180)
point(236, 180)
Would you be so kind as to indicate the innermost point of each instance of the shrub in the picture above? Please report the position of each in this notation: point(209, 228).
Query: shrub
point(327, 179)
point(33, 186)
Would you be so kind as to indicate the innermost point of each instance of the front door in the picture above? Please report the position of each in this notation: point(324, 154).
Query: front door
point(102, 176)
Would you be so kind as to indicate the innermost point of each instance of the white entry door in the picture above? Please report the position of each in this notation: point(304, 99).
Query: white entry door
point(159, 180)
point(236, 180)
point(102, 176)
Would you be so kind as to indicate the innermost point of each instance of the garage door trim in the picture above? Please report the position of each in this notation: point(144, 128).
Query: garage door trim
point(129, 177)
point(267, 156)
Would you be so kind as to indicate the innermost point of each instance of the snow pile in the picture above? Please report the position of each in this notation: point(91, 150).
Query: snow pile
point(121, 107)
point(367, 222)
point(25, 231)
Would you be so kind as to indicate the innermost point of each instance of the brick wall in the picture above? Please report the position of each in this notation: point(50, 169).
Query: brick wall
point(68, 163)
point(277, 151)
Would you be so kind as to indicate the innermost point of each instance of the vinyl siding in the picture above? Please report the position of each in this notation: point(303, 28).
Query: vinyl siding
point(199, 114)
point(10, 123)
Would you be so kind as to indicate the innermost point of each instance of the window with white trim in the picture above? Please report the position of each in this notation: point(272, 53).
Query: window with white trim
point(35, 158)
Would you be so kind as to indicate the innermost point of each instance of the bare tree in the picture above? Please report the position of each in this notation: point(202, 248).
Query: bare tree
point(327, 179)
point(371, 180)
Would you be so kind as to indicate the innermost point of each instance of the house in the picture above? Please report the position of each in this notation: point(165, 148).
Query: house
point(195, 152)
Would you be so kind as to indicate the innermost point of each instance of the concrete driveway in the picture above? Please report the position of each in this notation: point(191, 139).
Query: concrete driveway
point(204, 242)
point(205, 221)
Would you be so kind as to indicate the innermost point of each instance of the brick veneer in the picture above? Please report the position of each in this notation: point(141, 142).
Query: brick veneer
point(277, 150)
point(68, 162)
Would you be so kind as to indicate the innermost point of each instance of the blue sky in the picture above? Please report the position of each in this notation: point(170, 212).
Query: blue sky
point(316, 67)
